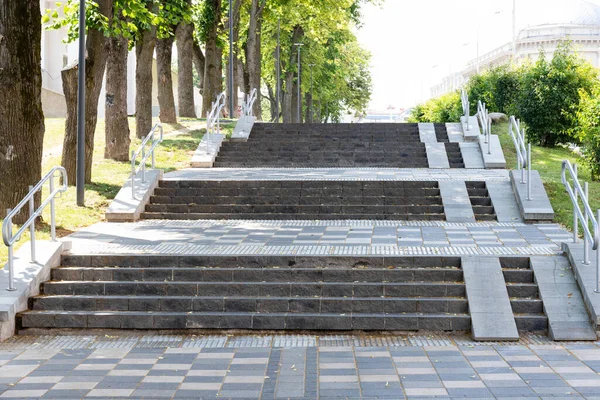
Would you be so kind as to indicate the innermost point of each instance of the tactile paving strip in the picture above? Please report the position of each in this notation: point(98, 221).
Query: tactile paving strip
point(368, 340)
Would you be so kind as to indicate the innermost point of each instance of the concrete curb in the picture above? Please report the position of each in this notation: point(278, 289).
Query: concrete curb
point(28, 277)
point(207, 151)
point(539, 208)
point(124, 208)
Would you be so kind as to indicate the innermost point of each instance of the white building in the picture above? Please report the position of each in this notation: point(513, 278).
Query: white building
point(545, 23)
point(56, 55)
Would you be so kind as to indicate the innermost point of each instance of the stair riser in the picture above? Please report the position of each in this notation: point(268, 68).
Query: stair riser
point(255, 321)
point(253, 289)
point(312, 217)
point(233, 262)
point(254, 275)
point(527, 306)
point(271, 305)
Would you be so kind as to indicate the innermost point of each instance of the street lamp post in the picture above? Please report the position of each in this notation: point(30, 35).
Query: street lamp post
point(278, 69)
point(299, 45)
point(312, 100)
point(231, 105)
point(80, 170)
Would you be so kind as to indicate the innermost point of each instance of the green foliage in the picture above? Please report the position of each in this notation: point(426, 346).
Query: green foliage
point(446, 108)
point(497, 87)
point(550, 94)
point(341, 76)
point(131, 17)
point(588, 130)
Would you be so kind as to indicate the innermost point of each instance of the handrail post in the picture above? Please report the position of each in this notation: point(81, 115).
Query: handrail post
point(153, 163)
point(576, 201)
point(52, 211)
point(32, 226)
point(597, 254)
point(586, 243)
point(11, 267)
point(529, 173)
point(143, 161)
point(133, 174)
point(489, 135)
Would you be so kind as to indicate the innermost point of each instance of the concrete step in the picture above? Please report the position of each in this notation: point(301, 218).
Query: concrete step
point(481, 201)
point(524, 294)
point(321, 289)
point(273, 274)
point(224, 304)
point(279, 216)
point(244, 320)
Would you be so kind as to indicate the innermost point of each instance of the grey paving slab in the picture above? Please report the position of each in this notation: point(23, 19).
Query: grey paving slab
point(455, 132)
point(504, 201)
point(437, 157)
point(471, 131)
point(427, 133)
point(337, 174)
point(585, 275)
point(567, 316)
point(491, 313)
point(472, 156)
point(539, 207)
point(493, 156)
point(457, 205)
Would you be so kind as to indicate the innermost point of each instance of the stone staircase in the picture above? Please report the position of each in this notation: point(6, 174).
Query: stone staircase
point(410, 294)
point(307, 200)
point(481, 201)
point(524, 296)
point(327, 145)
point(405, 294)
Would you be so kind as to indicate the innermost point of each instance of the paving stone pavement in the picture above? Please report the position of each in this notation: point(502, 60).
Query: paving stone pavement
point(339, 174)
point(296, 367)
point(319, 237)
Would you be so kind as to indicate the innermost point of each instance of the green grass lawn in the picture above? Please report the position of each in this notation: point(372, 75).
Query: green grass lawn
point(175, 152)
point(548, 161)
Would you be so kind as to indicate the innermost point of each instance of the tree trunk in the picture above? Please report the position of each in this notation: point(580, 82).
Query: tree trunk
point(166, 100)
point(309, 107)
point(21, 116)
point(116, 125)
point(288, 107)
point(272, 103)
point(95, 66)
point(212, 79)
point(199, 63)
point(185, 74)
point(253, 53)
point(234, 81)
point(144, 51)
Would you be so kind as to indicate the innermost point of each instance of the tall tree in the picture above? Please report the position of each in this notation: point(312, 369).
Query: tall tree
point(21, 116)
point(144, 51)
point(116, 123)
point(96, 43)
point(166, 99)
point(185, 76)
point(253, 50)
point(211, 19)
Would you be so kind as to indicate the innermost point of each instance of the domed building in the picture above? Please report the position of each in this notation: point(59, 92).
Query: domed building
point(540, 24)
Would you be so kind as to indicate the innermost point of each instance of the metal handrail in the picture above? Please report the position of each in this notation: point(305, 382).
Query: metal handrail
point(248, 104)
point(576, 192)
point(7, 226)
point(483, 117)
point(523, 152)
point(142, 150)
point(213, 118)
point(464, 97)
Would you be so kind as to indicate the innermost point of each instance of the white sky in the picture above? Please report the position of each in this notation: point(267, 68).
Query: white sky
point(415, 43)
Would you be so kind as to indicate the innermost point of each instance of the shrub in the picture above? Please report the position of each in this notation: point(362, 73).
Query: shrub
point(446, 108)
point(550, 94)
